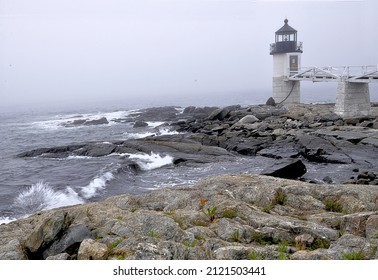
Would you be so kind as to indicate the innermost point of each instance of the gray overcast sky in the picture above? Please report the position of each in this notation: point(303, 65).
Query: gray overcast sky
point(75, 50)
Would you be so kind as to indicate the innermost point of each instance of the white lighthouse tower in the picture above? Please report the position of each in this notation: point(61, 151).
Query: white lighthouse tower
point(286, 53)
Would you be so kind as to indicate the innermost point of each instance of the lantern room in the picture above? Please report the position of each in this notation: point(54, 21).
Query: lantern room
point(286, 40)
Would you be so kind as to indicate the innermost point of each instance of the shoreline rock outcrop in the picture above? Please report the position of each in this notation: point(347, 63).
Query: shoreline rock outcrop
point(236, 216)
point(224, 217)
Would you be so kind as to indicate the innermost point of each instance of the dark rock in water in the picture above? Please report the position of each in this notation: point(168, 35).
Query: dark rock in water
point(287, 169)
point(131, 166)
point(69, 242)
point(327, 180)
point(77, 122)
point(102, 120)
point(167, 113)
point(271, 102)
point(98, 149)
point(138, 124)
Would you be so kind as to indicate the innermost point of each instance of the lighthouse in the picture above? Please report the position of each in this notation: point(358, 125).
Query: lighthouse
point(286, 52)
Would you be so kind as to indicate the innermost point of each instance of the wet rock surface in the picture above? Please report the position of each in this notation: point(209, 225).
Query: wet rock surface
point(312, 134)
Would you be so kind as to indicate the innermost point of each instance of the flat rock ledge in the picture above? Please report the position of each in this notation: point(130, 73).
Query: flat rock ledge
point(225, 217)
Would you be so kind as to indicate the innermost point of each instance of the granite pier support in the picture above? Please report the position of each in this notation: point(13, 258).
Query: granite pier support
point(352, 99)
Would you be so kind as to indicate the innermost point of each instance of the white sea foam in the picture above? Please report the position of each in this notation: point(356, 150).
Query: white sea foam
point(160, 131)
point(95, 185)
point(78, 157)
point(6, 220)
point(60, 120)
point(167, 131)
point(152, 161)
point(41, 196)
point(138, 135)
point(154, 124)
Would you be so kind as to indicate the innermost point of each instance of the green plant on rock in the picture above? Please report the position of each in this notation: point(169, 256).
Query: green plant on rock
point(235, 236)
point(179, 221)
point(262, 239)
point(154, 234)
point(229, 213)
point(255, 256)
point(320, 243)
point(353, 256)
point(211, 212)
point(279, 197)
point(332, 204)
point(113, 245)
point(190, 244)
point(282, 249)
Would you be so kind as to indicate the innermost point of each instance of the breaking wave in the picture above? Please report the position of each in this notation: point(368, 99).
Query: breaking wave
point(96, 185)
point(41, 196)
point(152, 161)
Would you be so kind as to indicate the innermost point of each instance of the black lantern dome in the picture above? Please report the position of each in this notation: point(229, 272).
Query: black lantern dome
point(286, 40)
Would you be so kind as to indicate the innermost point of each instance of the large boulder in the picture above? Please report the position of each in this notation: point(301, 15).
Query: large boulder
point(46, 231)
point(271, 102)
point(69, 242)
point(92, 250)
point(248, 120)
point(289, 169)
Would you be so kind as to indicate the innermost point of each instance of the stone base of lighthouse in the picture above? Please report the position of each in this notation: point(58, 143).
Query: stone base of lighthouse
point(285, 91)
point(352, 99)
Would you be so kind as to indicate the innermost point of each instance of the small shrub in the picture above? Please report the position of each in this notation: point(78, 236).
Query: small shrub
point(353, 256)
point(190, 244)
point(261, 239)
point(113, 245)
point(229, 213)
point(211, 212)
point(179, 221)
point(282, 249)
point(236, 236)
point(268, 208)
point(279, 197)
point(119, 218)
point(320, 243)
point(120, 258)
point(255, 256)
point(332, 204)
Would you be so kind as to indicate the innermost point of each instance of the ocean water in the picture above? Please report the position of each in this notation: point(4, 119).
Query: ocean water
point(30, 185)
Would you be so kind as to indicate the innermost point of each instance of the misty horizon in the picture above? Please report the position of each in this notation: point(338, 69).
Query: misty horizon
point(165, 51)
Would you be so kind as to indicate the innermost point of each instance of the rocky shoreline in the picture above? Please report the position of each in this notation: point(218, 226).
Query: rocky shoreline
point(237, 216)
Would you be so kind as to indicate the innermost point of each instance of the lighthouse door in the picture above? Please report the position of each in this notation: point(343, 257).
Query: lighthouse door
point(293, 64)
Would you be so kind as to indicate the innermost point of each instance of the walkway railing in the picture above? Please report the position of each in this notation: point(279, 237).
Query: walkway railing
point(357, 74)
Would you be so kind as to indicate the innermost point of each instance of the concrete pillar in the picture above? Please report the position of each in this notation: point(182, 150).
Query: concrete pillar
point(287, 91)
point(352, 99)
